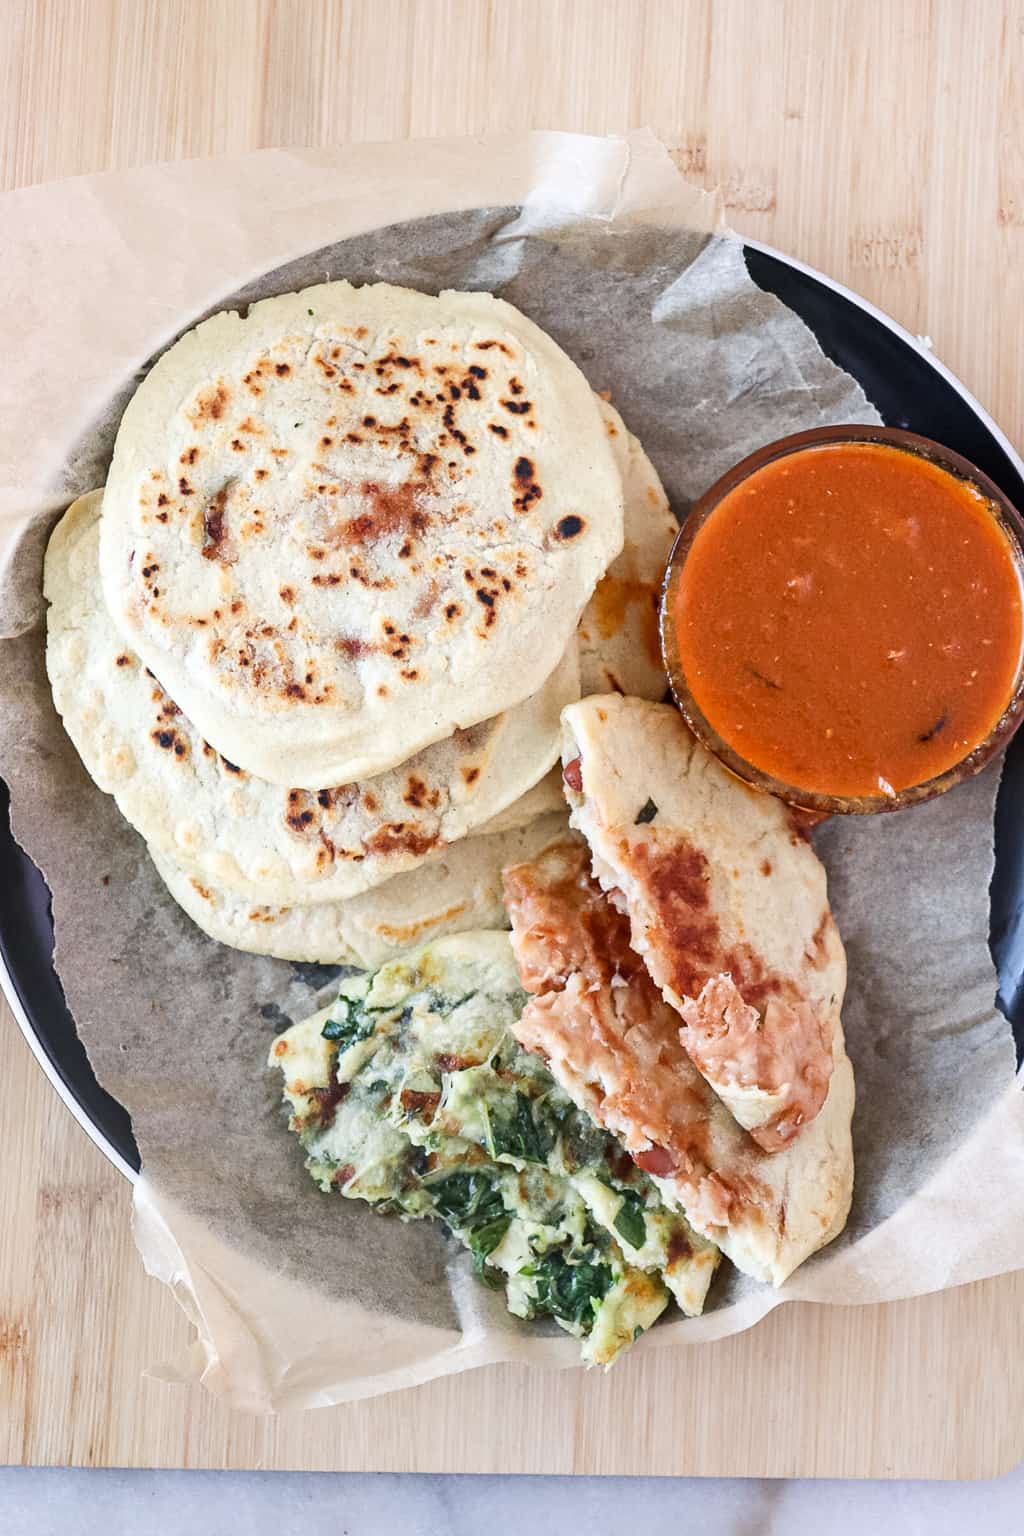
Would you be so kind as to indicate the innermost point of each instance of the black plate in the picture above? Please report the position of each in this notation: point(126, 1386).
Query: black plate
point(909, 391)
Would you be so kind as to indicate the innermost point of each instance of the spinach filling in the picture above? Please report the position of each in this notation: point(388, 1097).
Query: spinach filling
point(432, 1109)
point(351, 1023)
point(473, 1209)
point(570, 1292)
point(630, 1223)
point(518, 1135)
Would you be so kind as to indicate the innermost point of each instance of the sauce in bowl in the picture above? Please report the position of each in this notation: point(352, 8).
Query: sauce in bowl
point(845, 617)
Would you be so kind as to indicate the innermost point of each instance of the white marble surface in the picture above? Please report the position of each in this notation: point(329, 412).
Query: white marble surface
point(53, 1502)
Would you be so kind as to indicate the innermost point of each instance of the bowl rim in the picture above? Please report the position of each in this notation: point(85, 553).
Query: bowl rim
point(817, 802)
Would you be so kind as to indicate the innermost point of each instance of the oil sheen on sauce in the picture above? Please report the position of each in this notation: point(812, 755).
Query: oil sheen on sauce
point(849, 619)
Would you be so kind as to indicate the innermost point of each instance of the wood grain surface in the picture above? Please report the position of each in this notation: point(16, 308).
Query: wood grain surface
point(879, 141)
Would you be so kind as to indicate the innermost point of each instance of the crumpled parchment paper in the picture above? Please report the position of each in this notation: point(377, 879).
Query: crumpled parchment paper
point(299, 1299)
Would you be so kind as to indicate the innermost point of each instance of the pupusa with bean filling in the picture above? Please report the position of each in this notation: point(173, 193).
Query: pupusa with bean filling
point(686, 981)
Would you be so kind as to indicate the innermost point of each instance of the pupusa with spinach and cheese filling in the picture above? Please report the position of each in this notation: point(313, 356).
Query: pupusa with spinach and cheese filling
point(410, 1092)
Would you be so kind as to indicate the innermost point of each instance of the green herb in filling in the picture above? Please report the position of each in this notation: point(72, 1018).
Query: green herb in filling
point(348, 1023)
point(630, 1223)
point(570, 1292)
point(412, 1093)
point(518, 1135)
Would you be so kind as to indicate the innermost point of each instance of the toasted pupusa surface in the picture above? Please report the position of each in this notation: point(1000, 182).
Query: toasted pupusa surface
point(543, 799)
point(612, 1042)
point(238, 833)
point(620, 648)
point(411, 1092)
point(727, 904)
point(354, 521)
point(449, 892)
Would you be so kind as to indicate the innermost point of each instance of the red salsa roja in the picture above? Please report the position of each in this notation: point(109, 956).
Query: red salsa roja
point(848, 619)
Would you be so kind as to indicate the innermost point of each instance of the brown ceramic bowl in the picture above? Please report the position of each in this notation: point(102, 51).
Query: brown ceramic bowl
point(1009, 521)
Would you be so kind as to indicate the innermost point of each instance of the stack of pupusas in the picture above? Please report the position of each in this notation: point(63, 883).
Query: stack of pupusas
point(367, 563)
point(356, 552)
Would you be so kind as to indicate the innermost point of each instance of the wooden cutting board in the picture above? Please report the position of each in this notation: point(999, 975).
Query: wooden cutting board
point(881, 143)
